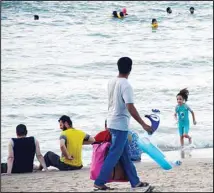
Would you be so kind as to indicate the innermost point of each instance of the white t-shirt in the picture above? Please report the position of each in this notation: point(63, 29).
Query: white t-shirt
point(120, 93)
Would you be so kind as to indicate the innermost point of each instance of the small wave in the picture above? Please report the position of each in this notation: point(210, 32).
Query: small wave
point(13, 116)
point(99, 35)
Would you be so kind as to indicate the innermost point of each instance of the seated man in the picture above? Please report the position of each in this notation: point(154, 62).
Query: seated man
point(71, 141)
point(134, 150)
point(21, 152)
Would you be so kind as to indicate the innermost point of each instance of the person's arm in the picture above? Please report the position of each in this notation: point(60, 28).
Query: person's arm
point(193, 114)
point(175, 114)
point(88, 140)
point(10, 158)
point(39, 156)
point(128, 99)
point(134, 113)
point(193, 117)
point(64, 149)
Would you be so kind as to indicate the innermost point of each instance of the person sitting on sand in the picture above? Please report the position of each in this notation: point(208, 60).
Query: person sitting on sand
point(21, 152)
point(134, 150)
point(71, 141)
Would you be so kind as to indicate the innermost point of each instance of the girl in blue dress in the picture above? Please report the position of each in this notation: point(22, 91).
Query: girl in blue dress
point(182, 116)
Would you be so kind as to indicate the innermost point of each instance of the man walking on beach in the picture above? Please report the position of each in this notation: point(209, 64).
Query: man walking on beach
point(120, 107)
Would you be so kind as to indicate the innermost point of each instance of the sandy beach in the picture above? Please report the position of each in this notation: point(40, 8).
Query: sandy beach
point(193, 175)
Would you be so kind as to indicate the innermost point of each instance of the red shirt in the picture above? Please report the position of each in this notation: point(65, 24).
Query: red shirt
point(103, 136)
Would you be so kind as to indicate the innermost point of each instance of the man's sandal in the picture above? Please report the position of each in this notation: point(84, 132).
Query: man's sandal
point(104, 187)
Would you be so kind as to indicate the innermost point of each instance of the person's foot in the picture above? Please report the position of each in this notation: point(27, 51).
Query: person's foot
point(142, 184)
point(145, 187)
point(182, 154)
point(190, 140)
point(192, 146)
point(103, 187)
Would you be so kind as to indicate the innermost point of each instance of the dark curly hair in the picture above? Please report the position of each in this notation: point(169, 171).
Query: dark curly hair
point(184, 94)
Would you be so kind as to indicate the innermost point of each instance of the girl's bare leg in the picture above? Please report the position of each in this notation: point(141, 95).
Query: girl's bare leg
point(188, 137)
point(182, 141)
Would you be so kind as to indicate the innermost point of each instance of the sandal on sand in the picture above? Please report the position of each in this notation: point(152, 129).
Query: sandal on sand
point(102, 188)
point(147, 188)
point(142, 184)
point(150, 189)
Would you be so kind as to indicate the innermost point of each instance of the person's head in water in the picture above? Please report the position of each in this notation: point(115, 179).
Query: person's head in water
point(118, 15)
point(21, 130)
point(114, 13)
point(36, 17)
point(65, 122)
point(191, 9)
point(124, 10)
point(182, 96)
point(154, 23)
point(169, 10)
point(124, 66)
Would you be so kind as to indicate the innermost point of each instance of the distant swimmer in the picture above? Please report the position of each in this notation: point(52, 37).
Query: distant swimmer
point(124, 10)
point(169, 10)
point(191, 9)
point(154, 23)
point(36, 17)
point(118, 15)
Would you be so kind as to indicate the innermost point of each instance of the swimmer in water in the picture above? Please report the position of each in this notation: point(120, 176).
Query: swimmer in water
point(154, 23)
point(114, 13)
point(124, 10)
point(36, 17)
point(191, 9)
point(169, 10)
point(118, 15)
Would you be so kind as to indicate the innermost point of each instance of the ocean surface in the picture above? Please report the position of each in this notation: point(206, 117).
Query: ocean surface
point(61, 64)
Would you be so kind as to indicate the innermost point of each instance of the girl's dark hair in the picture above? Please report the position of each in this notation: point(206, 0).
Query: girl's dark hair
point(184, 93)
